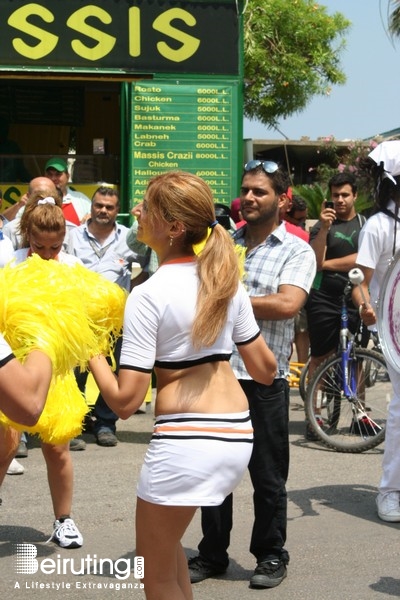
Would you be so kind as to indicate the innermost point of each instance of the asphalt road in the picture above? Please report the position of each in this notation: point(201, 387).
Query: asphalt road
point(339, 548)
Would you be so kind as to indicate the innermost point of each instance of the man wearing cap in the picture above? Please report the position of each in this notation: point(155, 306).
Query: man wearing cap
point(379, 242)
point(76, 206)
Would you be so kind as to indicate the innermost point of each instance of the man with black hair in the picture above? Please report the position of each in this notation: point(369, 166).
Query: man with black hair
point(280, 268)
point(297, 213)
point(334, 239)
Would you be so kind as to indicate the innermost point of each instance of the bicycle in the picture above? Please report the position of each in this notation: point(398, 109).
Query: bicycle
point(347, 397)
point(301, 379)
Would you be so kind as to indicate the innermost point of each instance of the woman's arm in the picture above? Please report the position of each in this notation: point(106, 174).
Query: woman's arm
point(367, 313)
point(123, 394)
point(24, 388)
point(259, 360)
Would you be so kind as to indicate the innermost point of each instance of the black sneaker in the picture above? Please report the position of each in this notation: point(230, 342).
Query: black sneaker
point(268, 574)
point(200, 569)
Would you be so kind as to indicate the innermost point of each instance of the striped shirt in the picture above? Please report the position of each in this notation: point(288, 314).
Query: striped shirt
point(282, 259)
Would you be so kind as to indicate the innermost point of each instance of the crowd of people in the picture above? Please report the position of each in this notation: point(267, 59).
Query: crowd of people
point(218, 349)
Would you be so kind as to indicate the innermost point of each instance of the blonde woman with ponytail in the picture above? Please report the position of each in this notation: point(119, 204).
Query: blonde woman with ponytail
point(183, 322)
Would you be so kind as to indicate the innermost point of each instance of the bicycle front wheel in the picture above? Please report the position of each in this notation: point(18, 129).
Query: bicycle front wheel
point(356, 423)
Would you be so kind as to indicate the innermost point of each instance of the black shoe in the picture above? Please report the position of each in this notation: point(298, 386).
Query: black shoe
point(268, 574)
point(200, 569)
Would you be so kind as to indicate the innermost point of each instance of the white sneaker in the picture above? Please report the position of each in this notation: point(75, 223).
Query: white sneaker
point(66, 534)
point(389, 506)
point(15, 468)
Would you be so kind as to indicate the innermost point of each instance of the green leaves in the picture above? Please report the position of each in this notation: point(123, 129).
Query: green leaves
point(314, 195)
point(291, 54)
point(394, 18)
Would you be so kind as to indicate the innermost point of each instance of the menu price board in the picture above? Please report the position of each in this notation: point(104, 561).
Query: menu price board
point(185, 126)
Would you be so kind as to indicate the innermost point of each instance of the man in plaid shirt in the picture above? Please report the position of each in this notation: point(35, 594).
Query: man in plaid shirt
point(280, 269)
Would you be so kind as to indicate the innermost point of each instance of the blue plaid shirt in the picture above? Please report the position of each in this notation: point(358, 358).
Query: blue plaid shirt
point(283, 259)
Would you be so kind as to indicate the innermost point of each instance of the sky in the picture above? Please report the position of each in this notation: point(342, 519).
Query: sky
point(368, 103)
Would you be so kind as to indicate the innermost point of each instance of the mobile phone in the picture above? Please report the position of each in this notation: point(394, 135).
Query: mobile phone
point(329, 204)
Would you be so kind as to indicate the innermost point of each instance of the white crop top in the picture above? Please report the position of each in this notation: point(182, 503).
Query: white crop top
point(6, 353)
point(159, 316)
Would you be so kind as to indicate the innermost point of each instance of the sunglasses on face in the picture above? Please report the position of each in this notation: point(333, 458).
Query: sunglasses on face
point(268, 166)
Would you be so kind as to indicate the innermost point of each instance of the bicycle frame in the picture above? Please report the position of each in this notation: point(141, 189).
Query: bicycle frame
point(346, 347)
point(349, 364)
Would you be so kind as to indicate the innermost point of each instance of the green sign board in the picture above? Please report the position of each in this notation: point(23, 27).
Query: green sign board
point(189, 126)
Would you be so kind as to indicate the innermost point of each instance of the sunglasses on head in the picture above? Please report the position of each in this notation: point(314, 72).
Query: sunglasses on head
point(269, 166)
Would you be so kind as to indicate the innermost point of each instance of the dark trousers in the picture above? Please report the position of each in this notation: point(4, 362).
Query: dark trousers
point(105, 418)
point(268, 467)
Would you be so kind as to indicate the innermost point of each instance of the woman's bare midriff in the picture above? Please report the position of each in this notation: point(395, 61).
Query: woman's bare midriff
point(207, 388)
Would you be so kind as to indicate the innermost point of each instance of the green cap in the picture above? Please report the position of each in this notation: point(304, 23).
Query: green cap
point(59, 164)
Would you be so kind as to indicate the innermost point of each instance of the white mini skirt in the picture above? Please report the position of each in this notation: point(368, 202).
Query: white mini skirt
point(195, 459)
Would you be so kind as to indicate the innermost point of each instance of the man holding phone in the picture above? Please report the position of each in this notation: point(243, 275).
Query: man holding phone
point(334, 239)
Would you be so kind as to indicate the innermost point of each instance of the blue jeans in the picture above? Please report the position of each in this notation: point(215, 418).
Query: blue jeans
point(268, 467)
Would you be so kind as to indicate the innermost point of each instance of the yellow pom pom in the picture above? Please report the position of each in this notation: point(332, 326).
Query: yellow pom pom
point(63, 414)
point(71, 314)
point(68, 312)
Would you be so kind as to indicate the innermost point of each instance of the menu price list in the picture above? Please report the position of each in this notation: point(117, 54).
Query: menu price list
point(185, 127)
